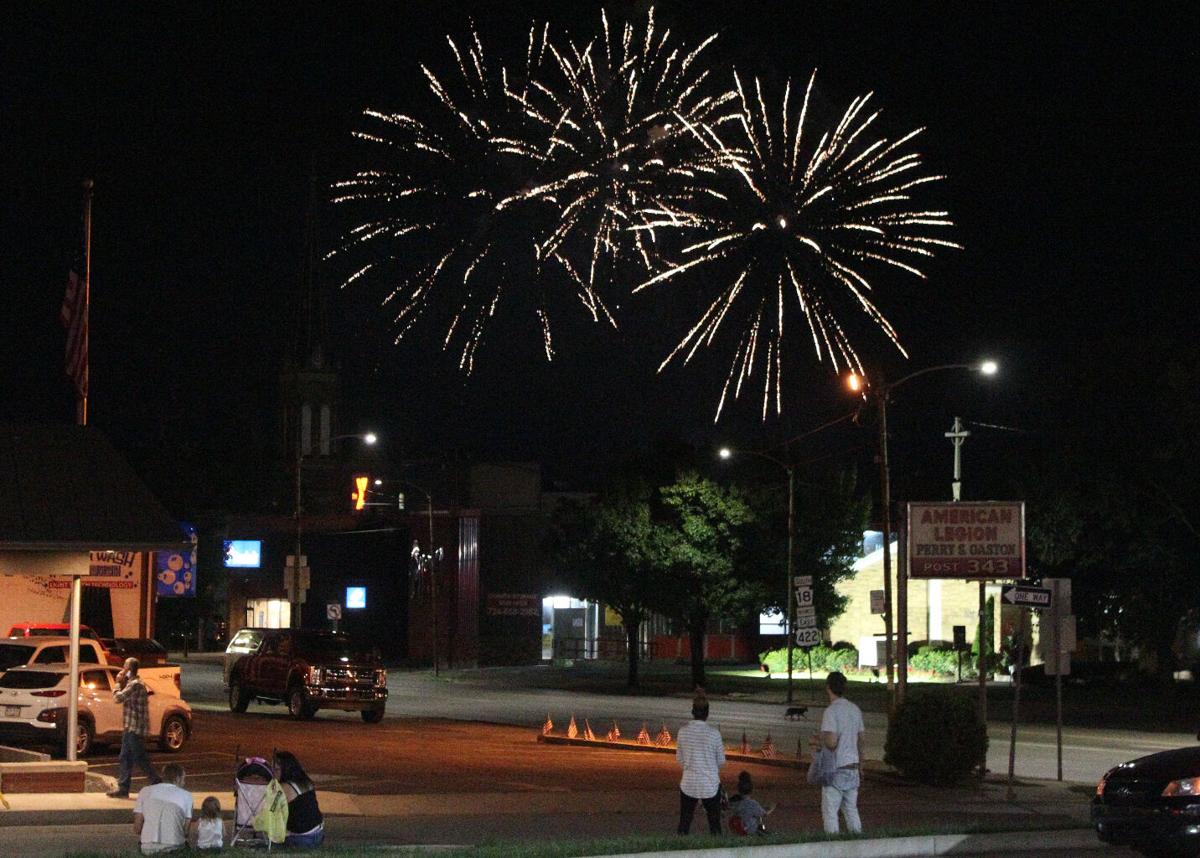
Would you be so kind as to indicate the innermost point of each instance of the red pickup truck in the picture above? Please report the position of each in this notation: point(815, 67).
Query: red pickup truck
point(307, 670)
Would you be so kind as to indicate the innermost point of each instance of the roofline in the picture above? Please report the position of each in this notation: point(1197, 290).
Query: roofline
point(164, 545)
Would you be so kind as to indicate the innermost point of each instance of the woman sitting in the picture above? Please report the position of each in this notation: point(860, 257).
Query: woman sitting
point(305, 825)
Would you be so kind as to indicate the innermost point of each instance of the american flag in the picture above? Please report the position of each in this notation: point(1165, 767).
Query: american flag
point(74, 317)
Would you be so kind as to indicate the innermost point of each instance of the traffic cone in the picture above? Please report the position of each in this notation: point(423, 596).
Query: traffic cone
point(663, 739)
point(587, 731)
point(643, 736)
point(548, 726)
point(572, 730)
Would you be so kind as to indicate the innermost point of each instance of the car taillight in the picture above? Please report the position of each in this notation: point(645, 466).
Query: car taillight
point(179, 683)
point(51, 716)
point(380, 678)
point(53, 692)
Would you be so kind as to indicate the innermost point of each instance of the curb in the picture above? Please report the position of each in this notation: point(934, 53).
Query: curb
point(896, 847)
point(619, 745)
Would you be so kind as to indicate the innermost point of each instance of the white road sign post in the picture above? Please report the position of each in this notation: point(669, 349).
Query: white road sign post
point(807, 633)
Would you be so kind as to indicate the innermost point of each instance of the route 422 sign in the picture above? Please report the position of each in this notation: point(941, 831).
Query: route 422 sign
point(807, 637)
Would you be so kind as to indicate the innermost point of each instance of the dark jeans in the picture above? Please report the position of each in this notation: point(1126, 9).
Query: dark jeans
point(687, 809)
point(133, 753)
point(306, 840)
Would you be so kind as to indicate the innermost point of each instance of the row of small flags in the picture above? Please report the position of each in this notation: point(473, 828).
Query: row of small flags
point(661, 740)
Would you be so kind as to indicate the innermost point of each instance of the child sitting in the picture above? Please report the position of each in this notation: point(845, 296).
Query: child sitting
point(210, 829)
point(748, 814)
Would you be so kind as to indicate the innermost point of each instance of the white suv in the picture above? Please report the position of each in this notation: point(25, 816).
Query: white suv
point(33, 708)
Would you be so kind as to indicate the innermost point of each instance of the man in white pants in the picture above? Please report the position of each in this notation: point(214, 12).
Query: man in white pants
point(841, 732)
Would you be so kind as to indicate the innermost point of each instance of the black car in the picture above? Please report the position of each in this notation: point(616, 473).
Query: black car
point(1152, 803)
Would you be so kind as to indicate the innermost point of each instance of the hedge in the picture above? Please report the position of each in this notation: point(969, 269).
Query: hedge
point(936, 738)
point(824, 659)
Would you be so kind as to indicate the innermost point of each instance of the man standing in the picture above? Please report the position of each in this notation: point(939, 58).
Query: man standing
point(131, 692)
point(701, 753)
point(162, 813)
point(842, 733)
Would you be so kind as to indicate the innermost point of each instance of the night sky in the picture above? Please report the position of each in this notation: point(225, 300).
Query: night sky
point(1067, 132)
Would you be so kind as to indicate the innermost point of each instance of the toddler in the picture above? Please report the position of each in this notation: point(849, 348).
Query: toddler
point(748, 814)
point(210, 829)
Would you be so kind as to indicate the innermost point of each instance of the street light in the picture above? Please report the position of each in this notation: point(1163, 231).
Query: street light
point(369, 439)
point(726, 453)
point(881, 390)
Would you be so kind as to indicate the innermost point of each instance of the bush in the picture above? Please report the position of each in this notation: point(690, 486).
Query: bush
point(935, 659)
point(936, 738)
point(824, 659)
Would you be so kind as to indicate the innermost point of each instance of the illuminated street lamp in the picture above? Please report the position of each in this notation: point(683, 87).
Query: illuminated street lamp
point(881, 391)
point(369, 439)
point(726, 453)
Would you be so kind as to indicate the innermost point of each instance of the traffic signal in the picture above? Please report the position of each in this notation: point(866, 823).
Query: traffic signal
point(359, 496)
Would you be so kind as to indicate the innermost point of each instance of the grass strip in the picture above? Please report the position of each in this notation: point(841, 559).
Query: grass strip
point(624, 845)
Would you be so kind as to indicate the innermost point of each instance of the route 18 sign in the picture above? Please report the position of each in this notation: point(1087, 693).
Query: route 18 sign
point(979, 541)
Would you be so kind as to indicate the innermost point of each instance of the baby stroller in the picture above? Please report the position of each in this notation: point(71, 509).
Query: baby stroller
point(250, 779)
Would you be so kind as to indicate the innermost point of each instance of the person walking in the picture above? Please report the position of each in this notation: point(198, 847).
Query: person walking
point(842, 734)
point(135, 723)
point(701, 753)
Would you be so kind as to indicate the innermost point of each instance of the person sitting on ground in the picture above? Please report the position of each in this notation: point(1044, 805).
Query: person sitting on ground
point(747, 814)
point(210, 828)
point(305, 824)
point(163, 812)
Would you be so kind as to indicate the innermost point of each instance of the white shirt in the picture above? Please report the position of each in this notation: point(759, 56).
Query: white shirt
point(701, 752)
point(210, 834)
point(166, 810)
point(843, 719)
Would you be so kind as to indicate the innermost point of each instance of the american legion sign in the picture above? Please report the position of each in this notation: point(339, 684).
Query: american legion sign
point(982, 541)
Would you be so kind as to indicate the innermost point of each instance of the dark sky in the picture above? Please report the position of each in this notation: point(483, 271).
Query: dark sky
point(1067, 131)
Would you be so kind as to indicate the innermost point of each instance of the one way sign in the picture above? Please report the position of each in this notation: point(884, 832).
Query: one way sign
point(1026, 597)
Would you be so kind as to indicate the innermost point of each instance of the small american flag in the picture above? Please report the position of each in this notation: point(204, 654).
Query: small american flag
point(74, 317)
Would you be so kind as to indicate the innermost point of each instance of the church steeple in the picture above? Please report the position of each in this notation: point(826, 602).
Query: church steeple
point(309, 381)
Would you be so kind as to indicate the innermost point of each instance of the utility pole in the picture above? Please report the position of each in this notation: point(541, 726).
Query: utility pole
point(790, 610)
point(885, 491)
point(957, 435)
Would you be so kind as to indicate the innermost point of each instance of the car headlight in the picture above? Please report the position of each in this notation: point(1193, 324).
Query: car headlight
point(1185, 787)
point(381, 679)
point(315, 675)
point(1100, 785)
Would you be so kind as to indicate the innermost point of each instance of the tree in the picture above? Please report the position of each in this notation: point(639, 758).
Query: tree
point(705, 565)
point(830, 519)
point(609, 550)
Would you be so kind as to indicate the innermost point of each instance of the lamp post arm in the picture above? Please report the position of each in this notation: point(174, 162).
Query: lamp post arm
point(888, 387)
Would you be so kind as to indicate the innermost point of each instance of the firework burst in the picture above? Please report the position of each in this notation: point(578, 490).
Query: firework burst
point(616, 111)
point(807, 218)
point(446, 221)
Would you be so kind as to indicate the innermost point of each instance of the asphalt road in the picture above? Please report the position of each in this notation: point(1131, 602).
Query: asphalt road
point(1087, 753)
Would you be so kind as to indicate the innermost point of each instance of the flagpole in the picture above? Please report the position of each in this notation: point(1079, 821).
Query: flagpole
point(82, 414)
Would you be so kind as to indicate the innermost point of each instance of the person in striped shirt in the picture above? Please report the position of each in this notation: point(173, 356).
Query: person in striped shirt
point(701, 753)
